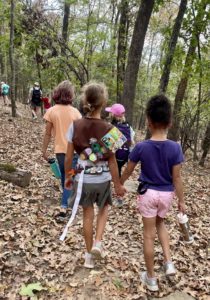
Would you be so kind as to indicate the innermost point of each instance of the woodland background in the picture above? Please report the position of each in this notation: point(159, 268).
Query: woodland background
point(138, 48)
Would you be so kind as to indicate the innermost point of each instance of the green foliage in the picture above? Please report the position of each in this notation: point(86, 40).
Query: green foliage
point(30, 289)
point(91, 48)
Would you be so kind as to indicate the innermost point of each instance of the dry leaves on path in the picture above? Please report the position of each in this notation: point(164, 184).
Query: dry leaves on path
point(30, 250)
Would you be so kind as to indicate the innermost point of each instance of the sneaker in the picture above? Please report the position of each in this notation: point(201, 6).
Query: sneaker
point(97, 250)
point(89, 261)
point(169, 268)
point(151, 283)
point(119, 203)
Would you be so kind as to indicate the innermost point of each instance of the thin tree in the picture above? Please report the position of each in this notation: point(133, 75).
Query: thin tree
point(171, 47)
point(195, 157)
point(11, 57)
point(134, 56)
point(205, 145)
point(122, 46)
point(66, 20)
point(198, 27)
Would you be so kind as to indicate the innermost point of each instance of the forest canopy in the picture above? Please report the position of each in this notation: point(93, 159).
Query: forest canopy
point(137, 48)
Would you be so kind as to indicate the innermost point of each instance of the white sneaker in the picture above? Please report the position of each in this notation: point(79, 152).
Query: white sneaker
point(151, 283)
point(97, 251)
point(89, 261)
point(169, 268)
point(119, 203)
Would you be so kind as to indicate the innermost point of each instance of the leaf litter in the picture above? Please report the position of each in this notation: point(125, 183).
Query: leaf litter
point(31, 253)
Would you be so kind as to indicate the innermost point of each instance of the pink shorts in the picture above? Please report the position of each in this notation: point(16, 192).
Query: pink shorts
point(154, 203)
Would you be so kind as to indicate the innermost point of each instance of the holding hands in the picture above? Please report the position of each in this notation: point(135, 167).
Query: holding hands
point(120, 190)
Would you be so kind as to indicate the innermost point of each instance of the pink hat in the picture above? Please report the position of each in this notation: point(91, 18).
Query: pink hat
point(116, 109)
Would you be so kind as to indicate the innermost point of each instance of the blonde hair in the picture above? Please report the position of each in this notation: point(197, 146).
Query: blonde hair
point(94, 96)
point(120, 119)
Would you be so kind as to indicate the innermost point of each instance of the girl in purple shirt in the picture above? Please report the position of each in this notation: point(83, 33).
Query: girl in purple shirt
point(160, 160)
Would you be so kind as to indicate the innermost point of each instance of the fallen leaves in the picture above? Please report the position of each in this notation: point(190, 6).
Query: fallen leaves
point(30, 250)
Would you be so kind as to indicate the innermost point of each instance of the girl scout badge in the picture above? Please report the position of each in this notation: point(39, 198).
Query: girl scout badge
point(114, 139)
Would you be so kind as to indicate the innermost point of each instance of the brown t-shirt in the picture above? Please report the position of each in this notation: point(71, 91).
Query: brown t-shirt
point(86, 129)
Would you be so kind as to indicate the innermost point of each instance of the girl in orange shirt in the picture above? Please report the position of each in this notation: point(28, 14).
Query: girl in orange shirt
point(59, 118)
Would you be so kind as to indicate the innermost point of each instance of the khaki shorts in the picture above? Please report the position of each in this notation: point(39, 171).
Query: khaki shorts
point(99, 193)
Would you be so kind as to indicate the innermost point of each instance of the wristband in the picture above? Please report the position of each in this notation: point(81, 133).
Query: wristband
point(71, 173)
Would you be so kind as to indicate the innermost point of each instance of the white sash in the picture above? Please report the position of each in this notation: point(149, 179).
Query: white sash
point(76, 204)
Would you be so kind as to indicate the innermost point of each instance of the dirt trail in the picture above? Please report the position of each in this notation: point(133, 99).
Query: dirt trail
point(30, 250)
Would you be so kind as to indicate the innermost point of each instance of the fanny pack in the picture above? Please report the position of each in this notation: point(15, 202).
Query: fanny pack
point(142, 187)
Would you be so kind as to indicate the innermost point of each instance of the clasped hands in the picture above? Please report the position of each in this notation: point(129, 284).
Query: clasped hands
point(120, 190)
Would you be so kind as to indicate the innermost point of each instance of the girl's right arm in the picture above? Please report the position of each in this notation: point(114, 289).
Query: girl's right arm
point(46, 140)
point(177, 182)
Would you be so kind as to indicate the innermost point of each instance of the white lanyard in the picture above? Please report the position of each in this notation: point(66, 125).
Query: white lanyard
point(76, 203)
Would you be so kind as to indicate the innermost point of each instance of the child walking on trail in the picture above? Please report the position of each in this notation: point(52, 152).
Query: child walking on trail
point(117, 112)
point(46, 102)
point(59, 118)
point(84, 137)
point(160, 160)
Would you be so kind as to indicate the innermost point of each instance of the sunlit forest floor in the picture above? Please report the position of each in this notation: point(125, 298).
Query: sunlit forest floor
point(30, 250)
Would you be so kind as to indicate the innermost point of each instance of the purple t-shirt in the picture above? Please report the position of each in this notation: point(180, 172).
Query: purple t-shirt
point(157, 159)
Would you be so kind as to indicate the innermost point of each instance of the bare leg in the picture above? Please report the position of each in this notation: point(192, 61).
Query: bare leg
point(5, 99)
point(38, 111)
point(163, 238)
point(101, 222)
point(33, 111)
point(149, 237)
point(88, 216)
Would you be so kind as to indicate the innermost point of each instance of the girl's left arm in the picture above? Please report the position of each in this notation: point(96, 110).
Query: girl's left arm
point(47, 138)
point(119, 189)
point(128, 171)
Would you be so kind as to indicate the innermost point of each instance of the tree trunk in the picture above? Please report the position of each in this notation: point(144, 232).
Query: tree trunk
point(195, 157)
point(39, 76)
point(122, 47)
point(2, 68)
point(1, 64)
point(171, 47)
point(11, 57)
point(88, 43)
point(150, 53)
point(134, 56)
point(174, 131)
point(66, 20)
point(114, 28)
point(205, 145)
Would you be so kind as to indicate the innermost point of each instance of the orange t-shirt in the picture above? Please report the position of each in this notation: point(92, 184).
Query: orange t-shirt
point(61, 117)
